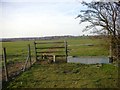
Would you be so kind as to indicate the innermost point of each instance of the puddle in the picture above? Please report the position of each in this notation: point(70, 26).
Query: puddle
point(88, 59)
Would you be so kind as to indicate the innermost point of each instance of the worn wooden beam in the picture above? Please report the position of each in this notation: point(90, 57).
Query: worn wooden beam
point(54, 47)
point(35, 50)
point(47, 42)
point(49, 52)
point(52, 55)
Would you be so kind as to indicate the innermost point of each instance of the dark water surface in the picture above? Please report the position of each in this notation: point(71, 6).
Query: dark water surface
point(88, 59)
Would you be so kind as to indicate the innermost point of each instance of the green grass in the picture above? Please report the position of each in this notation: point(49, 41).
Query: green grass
point(67, 76)
point(20, 47)
point(18, 50)
point(16, 47)
point(98, 48)
point(64, 75)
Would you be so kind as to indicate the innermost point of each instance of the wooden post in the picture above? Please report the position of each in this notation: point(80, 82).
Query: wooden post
point(43, 57)
point(110, 54)
point(26, 63)
point(29, 52)
point(28, 58)
point(54, 57)
point(110, 50)
point(65, 42)
point(118, 52)
point(35, 51)
point(5, 64)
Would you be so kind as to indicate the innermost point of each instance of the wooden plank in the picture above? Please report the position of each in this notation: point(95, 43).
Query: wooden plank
point(49, 52)
point(5, 64)
point(48, 42)
point(49, 47)
point(52, 55)
point(60, 55)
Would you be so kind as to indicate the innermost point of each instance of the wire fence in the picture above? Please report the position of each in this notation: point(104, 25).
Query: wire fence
point(13, 65)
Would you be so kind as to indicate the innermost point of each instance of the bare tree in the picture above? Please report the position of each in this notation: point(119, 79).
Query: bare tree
point(103, 16)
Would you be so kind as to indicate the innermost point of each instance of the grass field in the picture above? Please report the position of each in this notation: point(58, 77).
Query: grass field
point(68, 76)
point(64, 75)
point(74, 44)
point(17, 51)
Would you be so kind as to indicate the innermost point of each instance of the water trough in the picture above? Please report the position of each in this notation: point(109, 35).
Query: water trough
point(88, 59)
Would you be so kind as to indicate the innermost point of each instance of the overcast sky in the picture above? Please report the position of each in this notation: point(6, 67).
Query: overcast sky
point(38, 18)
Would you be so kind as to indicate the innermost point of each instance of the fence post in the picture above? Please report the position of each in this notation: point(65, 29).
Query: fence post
point(110, 54)
point(65, 42)
point(26, 63)
point(29, 52)
point(118, 52)
point(54, 58)
point(5, 63)
point(35, 50)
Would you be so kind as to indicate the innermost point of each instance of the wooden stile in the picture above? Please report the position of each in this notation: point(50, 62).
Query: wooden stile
point(54, 50)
